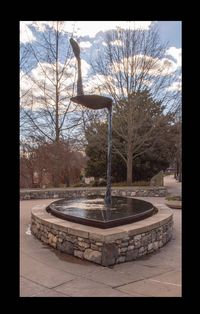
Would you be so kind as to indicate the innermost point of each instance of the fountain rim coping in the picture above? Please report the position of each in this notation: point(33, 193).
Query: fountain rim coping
point(163, 216)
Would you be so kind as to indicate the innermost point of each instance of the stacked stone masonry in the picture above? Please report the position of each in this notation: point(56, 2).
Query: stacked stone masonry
point(105, 248)
point(62, 193)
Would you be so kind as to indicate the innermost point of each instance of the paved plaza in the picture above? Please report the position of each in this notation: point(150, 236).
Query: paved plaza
point(45, 272)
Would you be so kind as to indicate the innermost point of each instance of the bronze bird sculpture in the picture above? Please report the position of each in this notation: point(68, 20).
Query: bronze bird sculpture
point(89, 101)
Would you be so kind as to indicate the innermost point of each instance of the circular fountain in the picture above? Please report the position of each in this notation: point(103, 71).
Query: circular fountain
point(93, 211)
point(88, 229)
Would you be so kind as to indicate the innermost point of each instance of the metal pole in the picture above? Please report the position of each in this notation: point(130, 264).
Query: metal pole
point(108, 199)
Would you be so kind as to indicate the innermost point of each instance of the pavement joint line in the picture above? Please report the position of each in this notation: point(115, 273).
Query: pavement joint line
point(150, 266)
point(143, 278)
point(38, 295)
point(39, 284)
point(62, 283)
point(165, 282)
point(44, 285)
point(130, 293)
point(95, 281)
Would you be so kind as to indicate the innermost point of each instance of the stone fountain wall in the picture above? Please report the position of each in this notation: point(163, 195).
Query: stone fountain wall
point(105, 247)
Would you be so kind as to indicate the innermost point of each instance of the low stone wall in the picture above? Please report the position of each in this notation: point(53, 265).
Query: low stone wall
point(105, 247)
point(62, 193)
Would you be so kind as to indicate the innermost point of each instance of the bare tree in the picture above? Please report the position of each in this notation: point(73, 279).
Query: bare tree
point(134, 63)
point(38, 166)
point(49, 86)
point(46, 89)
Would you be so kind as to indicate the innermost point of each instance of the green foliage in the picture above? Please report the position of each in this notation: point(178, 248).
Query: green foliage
point(79, 184)
point(102, 182)
point(135, 183)
point(96, 150)
point(153, 153)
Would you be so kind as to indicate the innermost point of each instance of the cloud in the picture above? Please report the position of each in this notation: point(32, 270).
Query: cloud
point(163, 67)
point(91, 28)
point(116, 43)
point(176, 86)
point(147, 83)
point(85, 44)
point(41, 26)
point(152, 67)
point(25, 83)
point(94, 83)
point(41, 81)
point(79, 28)
point(143, 63)
point(26, 34)
point(100, 84)
point(43, 76)
point(176, 53)
point(85, 67)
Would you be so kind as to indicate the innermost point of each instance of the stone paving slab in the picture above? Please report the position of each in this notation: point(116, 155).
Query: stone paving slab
point(172, 277)
point(31, 289)
point(28, 288)
point(122, 275)
point(143, 271)
point(84, 287)
point(43, 274)
point(50, 293)
point(112, 278)
point(152, 288)
point(67, 263)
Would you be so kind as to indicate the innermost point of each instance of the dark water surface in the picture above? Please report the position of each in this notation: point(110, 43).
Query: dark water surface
point(93, 208)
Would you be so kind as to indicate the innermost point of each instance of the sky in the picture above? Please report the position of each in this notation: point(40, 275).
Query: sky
point(91, 38)
point(169, 30)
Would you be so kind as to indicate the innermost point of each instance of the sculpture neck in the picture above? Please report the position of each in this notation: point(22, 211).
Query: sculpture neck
point(79, 80)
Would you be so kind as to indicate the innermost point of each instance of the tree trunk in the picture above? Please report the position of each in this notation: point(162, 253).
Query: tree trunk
point(129, 145)
point(56, 178)
point(180, 166)
point(129, 167)
point(57, 167)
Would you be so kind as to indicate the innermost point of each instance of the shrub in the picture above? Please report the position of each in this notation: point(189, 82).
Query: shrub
point(135, 183)
point(174, 198)
point(79, 185)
